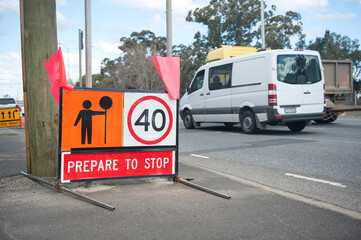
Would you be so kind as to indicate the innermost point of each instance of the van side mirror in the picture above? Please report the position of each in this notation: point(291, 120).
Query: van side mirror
point(188, 87)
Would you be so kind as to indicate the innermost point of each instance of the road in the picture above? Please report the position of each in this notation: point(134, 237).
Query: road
point(321, 163)
point(159, 209)
point(12, 151)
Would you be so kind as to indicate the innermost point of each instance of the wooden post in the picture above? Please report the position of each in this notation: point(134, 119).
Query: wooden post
point(38, 44)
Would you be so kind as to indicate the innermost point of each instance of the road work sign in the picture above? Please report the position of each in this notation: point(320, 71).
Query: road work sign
point(9, 117)
point(113, 134)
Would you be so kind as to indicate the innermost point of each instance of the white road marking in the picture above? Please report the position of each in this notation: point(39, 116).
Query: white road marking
point(312, 201)
point(315, 180)
point(199, 156)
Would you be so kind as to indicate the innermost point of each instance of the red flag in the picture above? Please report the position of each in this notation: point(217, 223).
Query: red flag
point(169, 70)
point(56, 71)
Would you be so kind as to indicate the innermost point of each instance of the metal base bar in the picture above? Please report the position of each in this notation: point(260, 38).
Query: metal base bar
point(59, 187)
point(190, 184)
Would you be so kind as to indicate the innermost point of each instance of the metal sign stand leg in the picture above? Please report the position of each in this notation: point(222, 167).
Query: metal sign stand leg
point(199, 187)
point(59, 187)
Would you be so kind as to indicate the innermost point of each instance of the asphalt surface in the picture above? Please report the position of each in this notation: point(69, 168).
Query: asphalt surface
point(155, 208)
point(322, 162)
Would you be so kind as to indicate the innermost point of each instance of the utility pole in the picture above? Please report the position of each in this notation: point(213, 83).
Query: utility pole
point(38, 44)
point(169, 28)
point(88, 42)
point(262, 27)
point(80, 48)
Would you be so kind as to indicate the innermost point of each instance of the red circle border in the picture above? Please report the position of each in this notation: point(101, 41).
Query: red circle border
point(131, 130)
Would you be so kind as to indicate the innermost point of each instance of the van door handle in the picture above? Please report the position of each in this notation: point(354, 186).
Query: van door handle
point(307, 92)
point(201, 94)
point(208, 93)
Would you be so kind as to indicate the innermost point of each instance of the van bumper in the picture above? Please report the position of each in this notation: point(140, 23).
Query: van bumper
point(274, 116)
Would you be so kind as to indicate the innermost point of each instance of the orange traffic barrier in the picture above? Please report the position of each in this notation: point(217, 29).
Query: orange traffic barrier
point(21, 122)
point(21, 118)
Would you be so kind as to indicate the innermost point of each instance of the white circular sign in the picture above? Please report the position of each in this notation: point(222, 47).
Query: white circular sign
point(150, 121)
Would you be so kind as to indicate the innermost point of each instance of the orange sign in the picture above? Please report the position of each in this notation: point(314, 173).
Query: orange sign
point(91, 119)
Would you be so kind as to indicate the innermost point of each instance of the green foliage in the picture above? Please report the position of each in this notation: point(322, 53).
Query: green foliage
point(228, 22)
point(192, 57)
point(231, 22)
point(145, 39)
point(135, 69)
point(280, 28)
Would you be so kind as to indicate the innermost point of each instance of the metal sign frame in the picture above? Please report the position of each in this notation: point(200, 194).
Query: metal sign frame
point(118, 149)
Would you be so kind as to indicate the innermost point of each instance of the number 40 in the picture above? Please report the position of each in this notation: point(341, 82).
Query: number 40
point(145, 122)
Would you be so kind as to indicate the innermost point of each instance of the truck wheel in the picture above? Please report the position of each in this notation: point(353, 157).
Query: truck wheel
point(329, 118)
point(188, 120)
point(248, 123)
point(296, 126)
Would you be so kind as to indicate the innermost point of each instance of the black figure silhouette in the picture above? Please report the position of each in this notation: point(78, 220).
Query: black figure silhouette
point(86, 121)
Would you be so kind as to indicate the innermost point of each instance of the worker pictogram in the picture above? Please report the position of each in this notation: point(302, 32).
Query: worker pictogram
point(86, 117)
point(92, 119)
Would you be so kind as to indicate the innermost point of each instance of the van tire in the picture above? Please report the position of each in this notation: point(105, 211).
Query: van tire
point(248, 123)
point(188, 120)
point(296, 126)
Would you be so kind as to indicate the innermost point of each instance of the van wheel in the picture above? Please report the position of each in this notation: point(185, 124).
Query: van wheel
point(248, 122)
point(296, 126)
point(188, 120)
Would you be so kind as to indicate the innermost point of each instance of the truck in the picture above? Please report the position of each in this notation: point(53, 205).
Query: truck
point(340, 96)
point(339, 93)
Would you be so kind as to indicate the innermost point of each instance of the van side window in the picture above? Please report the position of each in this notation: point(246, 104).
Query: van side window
point(220, 77)
point(197, 82)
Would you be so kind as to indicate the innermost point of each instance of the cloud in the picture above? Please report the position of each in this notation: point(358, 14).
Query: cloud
point(334, 16)
point(61, 3)
point(63, 23)
point(298, 5)
point(157, 21)
point(9, 5)
point(11, 74)
point(107, 49)
point(179, 7)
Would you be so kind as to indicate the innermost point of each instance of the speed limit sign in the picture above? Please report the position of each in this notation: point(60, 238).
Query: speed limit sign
point(149, 119)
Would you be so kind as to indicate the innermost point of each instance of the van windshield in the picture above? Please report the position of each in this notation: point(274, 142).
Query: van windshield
point(298, 69)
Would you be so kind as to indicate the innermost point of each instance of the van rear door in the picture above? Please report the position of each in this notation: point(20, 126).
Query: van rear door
point(299, 84)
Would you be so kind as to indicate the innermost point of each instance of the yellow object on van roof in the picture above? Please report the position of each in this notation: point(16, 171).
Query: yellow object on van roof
point(230, 51)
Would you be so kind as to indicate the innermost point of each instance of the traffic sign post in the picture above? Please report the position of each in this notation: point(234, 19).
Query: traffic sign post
point(9, 117)
point(117, 134)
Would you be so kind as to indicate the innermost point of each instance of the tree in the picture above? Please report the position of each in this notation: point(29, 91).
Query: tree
point(192, 57)
point(236, 22)
point(280, 28)
point(335, 46)
point(135, 69)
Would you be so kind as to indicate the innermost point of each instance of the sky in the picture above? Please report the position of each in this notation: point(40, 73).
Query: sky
point(113, 19)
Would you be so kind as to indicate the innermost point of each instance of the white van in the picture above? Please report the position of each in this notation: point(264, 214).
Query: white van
point(268, 87)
